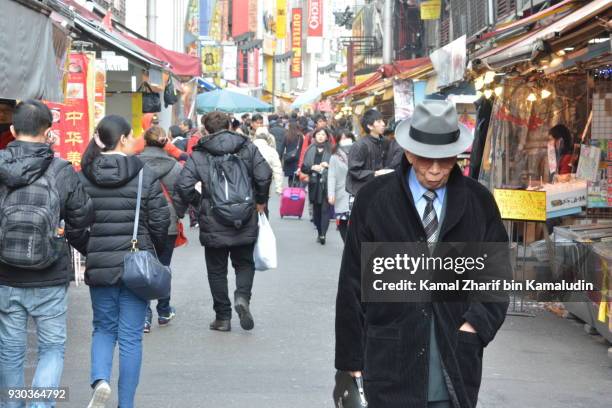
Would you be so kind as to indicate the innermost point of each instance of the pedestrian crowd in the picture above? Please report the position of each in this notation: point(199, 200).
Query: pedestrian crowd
point(221, 174)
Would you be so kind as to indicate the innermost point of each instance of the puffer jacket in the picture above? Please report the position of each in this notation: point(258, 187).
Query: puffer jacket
point(21, 164)
point(112, 182)
point(168, 171)
point(212, 232)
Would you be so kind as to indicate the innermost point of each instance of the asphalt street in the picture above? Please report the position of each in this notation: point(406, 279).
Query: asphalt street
point(287, 360)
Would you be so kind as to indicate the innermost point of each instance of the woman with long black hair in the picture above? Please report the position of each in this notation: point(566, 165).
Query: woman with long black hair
point(336, 181)
point(316, 164)
point(291, 153)
point(110, 175)
point(561, 139)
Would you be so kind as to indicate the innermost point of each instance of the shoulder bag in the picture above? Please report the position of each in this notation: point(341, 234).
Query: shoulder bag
point(143, 274)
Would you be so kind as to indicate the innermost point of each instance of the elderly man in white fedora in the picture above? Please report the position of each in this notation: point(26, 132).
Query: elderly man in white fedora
point(426, 354)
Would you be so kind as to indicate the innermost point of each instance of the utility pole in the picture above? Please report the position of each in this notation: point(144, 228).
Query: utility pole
point(151, 19)
point(388, 32)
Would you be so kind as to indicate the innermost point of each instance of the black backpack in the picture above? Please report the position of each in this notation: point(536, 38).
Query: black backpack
point(29, 222)
point(231, 190)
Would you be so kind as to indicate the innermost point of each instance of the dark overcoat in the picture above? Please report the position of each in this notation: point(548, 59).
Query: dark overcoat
point(389, 342)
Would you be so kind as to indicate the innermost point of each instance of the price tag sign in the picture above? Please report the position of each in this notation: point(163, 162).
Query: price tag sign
point(521, 205)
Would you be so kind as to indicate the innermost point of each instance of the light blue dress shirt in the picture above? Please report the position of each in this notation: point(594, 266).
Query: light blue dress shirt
point(420, 202)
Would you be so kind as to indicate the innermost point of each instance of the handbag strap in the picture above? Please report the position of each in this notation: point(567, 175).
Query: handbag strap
point(137, 217)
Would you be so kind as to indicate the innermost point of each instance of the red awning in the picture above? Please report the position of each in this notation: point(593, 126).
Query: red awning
point(386, 71)
point(180, 63)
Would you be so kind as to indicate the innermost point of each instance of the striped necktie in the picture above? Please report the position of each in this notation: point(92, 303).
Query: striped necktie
point(430, 218)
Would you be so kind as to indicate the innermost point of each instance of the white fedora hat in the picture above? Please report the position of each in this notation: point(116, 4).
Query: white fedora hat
point(434, 131)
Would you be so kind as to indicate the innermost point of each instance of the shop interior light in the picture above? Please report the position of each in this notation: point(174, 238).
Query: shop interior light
point(499, 90)
point(488, 93)
point(532, 97)
point(479, 94)
point(479, 83)
point(489, 77)
point(545, 93)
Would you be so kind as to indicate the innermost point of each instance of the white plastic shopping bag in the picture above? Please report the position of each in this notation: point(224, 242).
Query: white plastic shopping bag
point(265, 248)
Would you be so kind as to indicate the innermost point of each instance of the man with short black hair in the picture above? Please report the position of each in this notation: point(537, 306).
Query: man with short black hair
point(366, 159)
point(257, 121)
point(228, 212)
point(279, 132)
point(36, 207)
point(7, 106)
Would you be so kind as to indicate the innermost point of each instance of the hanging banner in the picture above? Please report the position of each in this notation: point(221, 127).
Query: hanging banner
point(281, 19)
point(253, 68)
point(430, 10)
point(403, 97)
point(296, 42)
point(192, 28)
point(450, 61)
point(230, 58)
point(211, 59)
point(71, 119)
point(315, 18)
point(100, 92)
point(252, 16)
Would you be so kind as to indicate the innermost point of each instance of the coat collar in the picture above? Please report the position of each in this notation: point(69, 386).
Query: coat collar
point(455, 197)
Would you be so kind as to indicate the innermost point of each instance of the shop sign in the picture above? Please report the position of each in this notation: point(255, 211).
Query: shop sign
point(230, 58)
point(403, 97)
point(521, 205)
point(450, 61)
point(71, 119)
point(315, 18)
point(281, 19)
point(211, 59)
point(296, 42)
point(430, 10)
point(115, 62)
point(100, 92)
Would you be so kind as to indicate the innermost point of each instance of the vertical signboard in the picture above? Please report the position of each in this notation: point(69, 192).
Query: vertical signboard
point(315, 18)
point(296, 42)
point(281, 19)
point(211, 59)
point(230, 58)
point(71, 120)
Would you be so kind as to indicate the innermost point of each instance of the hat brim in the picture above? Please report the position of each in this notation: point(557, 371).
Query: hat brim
point(402, 136)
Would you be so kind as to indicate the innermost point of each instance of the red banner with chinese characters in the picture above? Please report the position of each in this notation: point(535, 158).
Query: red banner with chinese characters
point(296, 42)
point(315, 18)
point(71, 119)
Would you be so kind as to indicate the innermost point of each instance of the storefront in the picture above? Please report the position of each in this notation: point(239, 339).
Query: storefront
point(550, 99)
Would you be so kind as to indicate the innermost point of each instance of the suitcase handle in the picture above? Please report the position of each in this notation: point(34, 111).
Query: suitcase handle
point(296, 182)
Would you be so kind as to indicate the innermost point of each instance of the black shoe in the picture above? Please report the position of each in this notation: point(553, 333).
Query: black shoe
point(246, 318)
point(322, 240)
point(221, 325)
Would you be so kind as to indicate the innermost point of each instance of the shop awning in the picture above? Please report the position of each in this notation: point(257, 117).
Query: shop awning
point(179, 63)
point(531, 45)
point(27, 57)
point(207, 85)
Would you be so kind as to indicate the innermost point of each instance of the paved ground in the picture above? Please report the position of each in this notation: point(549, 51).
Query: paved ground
point(287, 361)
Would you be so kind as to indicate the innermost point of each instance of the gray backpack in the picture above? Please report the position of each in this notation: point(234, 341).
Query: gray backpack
point(29, 222)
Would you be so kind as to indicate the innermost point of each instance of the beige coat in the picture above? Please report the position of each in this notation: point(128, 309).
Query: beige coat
point(271, 155)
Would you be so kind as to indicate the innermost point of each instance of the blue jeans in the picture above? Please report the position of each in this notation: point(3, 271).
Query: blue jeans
point(118, 317)
point(47, 306)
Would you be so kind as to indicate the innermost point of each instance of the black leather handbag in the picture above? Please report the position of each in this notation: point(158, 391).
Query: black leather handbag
point(151, 101)
point(143, 274)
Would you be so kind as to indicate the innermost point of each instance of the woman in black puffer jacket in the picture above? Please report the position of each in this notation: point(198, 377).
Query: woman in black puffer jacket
point(110, 176)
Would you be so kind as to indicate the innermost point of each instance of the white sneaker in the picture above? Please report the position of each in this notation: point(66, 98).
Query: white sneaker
point(101, 394)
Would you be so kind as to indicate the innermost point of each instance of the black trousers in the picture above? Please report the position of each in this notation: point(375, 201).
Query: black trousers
point(320, 215)
point(165, 258)
point(216, 266)
point(342, 228)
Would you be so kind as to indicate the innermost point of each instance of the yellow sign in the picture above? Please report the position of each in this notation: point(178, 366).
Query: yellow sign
point(137, 114)
point(281, 19)
point(211, 59)
point(430, 10)
point(521, 205)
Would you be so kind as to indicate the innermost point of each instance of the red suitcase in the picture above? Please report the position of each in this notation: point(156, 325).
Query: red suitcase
point(292, 202)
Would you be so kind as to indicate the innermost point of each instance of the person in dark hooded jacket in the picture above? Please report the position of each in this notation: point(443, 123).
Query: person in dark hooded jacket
point(168, 171)
point(110, 176)
point(39, 293)
point(218, 238)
